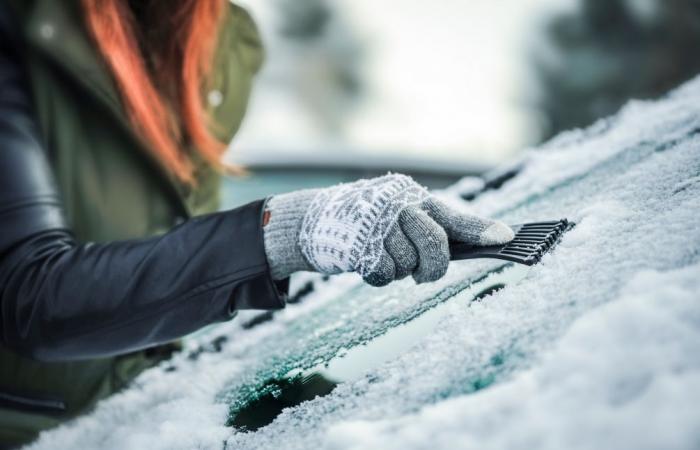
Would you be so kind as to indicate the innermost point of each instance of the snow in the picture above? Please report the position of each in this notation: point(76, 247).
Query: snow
point(595, 347)
point(643, 347)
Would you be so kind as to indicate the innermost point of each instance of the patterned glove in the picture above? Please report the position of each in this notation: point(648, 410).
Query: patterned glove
point(383, 228)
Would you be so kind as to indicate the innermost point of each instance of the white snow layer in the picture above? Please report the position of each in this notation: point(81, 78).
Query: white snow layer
point(626, 375)
point(597, 347)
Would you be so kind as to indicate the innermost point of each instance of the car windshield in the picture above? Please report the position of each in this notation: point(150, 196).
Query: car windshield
point(380, 339)
point(611, 314)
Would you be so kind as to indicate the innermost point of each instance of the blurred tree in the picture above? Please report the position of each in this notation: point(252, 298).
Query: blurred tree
point(609, 51)
point(303, 19)
point(324, 58)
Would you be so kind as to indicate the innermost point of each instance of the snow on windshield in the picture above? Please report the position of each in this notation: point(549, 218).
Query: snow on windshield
point(595, 347)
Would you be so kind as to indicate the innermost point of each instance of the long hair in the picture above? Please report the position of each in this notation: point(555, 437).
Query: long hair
point(161, 80)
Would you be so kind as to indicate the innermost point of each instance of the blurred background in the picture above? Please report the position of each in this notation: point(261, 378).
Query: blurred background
point(443, 89)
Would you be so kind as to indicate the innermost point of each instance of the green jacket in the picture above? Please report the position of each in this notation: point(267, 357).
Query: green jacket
point(112, 187)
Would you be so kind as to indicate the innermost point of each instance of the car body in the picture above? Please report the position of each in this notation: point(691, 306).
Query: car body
point(271, 172)
point(593, 347)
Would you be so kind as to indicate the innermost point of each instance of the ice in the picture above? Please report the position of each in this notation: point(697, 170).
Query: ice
point(596, 347)
point(627, 375)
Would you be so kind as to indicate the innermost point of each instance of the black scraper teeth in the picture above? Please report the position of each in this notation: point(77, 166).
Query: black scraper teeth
point(532, 240)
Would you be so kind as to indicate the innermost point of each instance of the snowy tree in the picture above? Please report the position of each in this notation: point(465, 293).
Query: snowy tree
point(608, 51)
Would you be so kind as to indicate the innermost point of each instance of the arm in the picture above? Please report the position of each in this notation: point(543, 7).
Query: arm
point(61, 299)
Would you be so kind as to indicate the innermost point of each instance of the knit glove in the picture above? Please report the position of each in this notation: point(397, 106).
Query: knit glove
point(384, 228)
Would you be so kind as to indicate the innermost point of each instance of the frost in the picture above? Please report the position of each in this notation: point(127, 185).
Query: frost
point(627, 375)
point(596, 347)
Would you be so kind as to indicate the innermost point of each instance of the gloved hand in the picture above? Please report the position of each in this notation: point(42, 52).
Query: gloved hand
point(383, 228)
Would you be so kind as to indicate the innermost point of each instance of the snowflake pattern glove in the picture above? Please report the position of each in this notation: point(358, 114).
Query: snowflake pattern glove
point(383, 228)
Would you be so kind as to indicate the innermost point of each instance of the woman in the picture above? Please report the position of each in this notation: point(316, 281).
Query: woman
point(113, 117)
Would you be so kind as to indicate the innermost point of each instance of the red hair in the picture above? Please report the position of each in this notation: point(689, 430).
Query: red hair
point(161, 80)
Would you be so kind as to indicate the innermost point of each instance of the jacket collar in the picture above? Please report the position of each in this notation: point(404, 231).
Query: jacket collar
point(56, 28)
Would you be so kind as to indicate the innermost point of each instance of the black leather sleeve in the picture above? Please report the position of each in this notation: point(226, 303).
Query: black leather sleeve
point(61, 299)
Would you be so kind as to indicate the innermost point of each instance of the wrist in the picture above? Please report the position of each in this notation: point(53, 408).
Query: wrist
point(282, 220)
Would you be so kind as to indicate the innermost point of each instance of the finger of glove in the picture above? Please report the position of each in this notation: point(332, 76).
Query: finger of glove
point(466, 227)
point(382, 273)
point(430, 242)
point(402, 251)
